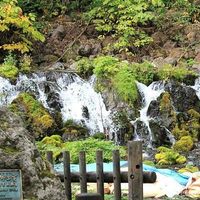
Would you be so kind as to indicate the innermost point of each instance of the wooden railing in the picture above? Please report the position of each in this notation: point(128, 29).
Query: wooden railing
point(134, 177)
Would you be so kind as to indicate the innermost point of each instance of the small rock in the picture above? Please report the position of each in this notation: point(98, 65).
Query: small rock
point(58, 33)
point(170, 60)
point(85, 50)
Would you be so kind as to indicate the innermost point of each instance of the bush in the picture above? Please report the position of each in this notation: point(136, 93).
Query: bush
point(89, 145)
point(177, 73)
point(8, 69)
point(123, 20)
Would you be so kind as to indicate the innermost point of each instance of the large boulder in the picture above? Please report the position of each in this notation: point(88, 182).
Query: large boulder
point(18, 151)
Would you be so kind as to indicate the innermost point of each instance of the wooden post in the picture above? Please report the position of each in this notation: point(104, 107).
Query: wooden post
point(116, 175)
point(135, 171)
point(67, 175)
point(99, 171)
point(49, 156)
point(82, 168)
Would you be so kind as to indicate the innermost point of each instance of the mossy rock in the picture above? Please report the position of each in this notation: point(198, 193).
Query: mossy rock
point(74, 131)
point(185, 144)
point(179, 133)
point(189, 168)
point(37, 119)
point(166, 156)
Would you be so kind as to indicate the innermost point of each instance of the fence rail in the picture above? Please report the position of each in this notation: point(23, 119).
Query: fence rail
point(134, 177)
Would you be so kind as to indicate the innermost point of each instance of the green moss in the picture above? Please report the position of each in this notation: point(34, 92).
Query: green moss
point(185, 144)
point(178, 133)
point(74, 131)
point(9, 150)
point(166, 156)
point(9, 71)
point(36, 116)
point(46, 173)
point(189, 168)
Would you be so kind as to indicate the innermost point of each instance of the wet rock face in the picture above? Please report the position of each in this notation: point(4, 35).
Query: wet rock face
point(18, 151)
point(183, 97)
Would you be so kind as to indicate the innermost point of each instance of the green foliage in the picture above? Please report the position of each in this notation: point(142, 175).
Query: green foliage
point(14, 23)
point(184, 11)
point(185, 144)
point(89, 145)
point(121, 19)
point(106, 66)
point(46, 8)
point(85, 67)
point(8, 69)
point(166, 156)
point(99, 136)
point(178, 73)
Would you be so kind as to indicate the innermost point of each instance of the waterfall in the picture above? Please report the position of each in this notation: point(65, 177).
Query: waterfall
point(197, 87)
point(75, 97)
point(148, 94)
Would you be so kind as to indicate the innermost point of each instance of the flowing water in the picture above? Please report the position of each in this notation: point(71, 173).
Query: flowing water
point(148, 94)
point(76, 97)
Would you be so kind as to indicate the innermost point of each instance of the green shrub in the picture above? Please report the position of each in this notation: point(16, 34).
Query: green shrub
point(123, 19)
point(177, 73)
point(89, 145)
point(85, 67)
point(8, 69)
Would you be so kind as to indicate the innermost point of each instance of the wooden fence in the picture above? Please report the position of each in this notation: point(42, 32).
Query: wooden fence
point(134, 177)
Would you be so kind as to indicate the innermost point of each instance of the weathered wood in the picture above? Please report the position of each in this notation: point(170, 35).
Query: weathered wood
point(49, 156)
point(82, 167)
point(116, 175)
point(67, 175)
point(148, 177)
point(99, 171)
point(135, 179)
point(88, 196)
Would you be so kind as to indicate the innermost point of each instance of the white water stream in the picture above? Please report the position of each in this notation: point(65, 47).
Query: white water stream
point(74, 95)
point(148, 94)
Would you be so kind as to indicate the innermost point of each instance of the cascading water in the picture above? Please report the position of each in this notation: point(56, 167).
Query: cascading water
point(197, 87)
point(76, 97)
point(148, 94)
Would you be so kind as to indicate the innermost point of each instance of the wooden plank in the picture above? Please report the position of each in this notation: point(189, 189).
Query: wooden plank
point(88, 196)
point(67, 175)
point(116, 175)
point(49, 156)
point(99, 171)
point(82, 167)
point(148, 177)
point(135, 177)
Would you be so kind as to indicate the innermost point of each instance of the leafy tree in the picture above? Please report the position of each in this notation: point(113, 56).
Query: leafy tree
point(16, 29)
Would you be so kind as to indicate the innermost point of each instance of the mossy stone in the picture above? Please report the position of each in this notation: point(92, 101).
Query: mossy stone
point(185, 144)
